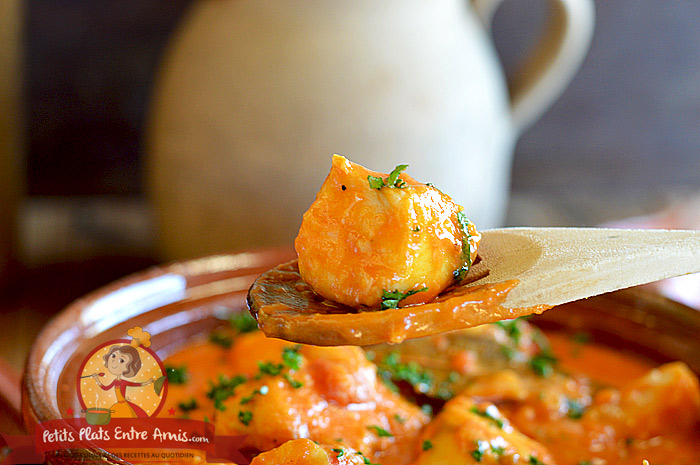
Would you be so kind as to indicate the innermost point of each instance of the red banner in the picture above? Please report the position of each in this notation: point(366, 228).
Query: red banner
point(154, 434)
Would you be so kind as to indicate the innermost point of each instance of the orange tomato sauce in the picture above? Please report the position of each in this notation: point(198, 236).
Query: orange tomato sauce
point(631, 409)
point(600, 363)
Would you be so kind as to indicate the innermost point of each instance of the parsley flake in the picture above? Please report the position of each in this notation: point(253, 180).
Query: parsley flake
point(262, 391)
point(490, 413)
point(464, 223)
point(242, 322)
point(376, 182)
point(543, 363)
point(392, 369)
point(177, 375)
point(189, 405)
point(223, 389)
point(221, 339)
point(245, 417)
point(391, 299)
point(574, 409)
point(379, 431)
point(427, 445)
point(291, 357)
point(269, 368)
point(296, 384)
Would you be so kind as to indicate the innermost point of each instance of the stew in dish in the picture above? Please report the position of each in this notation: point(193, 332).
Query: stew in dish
point(502, 393)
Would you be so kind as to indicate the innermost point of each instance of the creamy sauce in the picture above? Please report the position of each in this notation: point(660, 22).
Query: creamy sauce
point(631, 410)
point(600, 363)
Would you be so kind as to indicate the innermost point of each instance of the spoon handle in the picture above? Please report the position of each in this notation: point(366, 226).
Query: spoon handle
point(559, 265)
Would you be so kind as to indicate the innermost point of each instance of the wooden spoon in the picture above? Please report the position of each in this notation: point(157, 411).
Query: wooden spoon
point(519, 271)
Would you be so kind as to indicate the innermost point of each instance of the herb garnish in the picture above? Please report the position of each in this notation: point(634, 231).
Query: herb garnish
point(427, 445)
point(262, 391)
point(177, 375)
point(497, 446)
point(575, 409)
point(366, 460)
point(268, 368)
point(543, 363)
point(391, 299)
point(420, 379)
point(481, 448)
point(340, 452)
point(245, 417)
point(511, 328)
point(379, 431)
point(296, 384)
point(189, 405)
point(222, 339)
point(464, 223)
point(243, 322)
point(291, 357)
point(532, 460)
point(376, 182)
point(490, 413)
point(223, 389)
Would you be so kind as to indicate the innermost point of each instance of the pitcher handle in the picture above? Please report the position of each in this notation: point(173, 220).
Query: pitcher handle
point(553, 61)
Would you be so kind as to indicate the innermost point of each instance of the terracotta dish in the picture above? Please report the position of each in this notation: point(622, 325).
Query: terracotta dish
point(180, 301)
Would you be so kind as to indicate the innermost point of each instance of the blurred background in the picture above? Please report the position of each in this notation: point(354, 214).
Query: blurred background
point(77, 78)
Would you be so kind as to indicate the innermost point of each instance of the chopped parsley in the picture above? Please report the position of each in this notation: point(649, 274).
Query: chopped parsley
point(366, 460)
point(242, 322)
point(427, 445)
point(177, 375)
point(222, 339)
point(532, 460)
point(262, 391)
point(339, 452)
point(245, 417)
point(511, 328)
point(269, 368)
point(399, 418)
point(490, 413)
point(296, 384)
point(189, 405)
point(496, 446)
point(543, 363)
point(481, 448)
point(223, 389)
point(379, 431)
point(291, 357)
point(391, 299)
point(376, 182)
point(574, 409)
point(464, 223)
point(393, 369)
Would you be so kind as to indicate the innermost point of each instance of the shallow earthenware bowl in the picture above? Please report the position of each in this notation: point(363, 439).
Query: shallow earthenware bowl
point(182, 301)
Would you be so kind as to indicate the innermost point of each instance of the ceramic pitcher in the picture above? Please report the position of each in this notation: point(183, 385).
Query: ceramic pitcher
point(255, 96)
